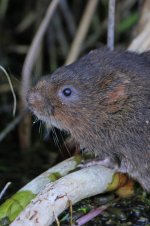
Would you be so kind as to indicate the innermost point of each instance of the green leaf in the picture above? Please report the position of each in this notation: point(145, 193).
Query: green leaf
point(10, 209)
point(128, 23)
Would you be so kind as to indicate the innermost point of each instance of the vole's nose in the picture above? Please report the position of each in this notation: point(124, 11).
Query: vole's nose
point(38, 100)
point(35, 97)
point(35, 100)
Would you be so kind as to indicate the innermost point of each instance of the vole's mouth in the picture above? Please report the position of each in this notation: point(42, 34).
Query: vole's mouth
point(43, 113)
point(48, 120)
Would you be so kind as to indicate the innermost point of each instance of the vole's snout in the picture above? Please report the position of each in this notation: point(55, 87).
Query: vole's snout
point(34, 100)
point(37, 103)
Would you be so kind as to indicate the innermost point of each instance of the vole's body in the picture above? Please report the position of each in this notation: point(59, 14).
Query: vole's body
point(107, 110)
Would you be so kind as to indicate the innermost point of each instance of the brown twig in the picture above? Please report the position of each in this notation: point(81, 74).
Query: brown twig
point(11, 126)
point(82, 31)
point(3, 8)
point(52, 48)
point(11, 88)
point(68, 17)
point(142, 42)
point(111, 24)
point(4, 189)
point(94, 37)
point(33, 51)
point(25, 131)
point(60, 35)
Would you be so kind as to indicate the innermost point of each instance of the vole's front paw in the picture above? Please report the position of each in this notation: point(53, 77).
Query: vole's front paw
point(107, 162)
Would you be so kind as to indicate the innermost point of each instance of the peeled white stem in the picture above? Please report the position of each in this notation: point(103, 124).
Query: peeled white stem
point(63, 168)
point(56, 196)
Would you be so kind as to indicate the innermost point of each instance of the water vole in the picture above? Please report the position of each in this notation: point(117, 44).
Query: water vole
point(103, 100)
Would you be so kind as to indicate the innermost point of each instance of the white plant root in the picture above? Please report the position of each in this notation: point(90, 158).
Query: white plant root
point(56, 196)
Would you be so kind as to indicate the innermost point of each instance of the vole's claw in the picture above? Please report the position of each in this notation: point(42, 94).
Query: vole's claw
point(105, 162)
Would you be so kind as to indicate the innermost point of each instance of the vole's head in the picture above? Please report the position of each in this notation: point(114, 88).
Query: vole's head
point(66, 99)
point(80, 97)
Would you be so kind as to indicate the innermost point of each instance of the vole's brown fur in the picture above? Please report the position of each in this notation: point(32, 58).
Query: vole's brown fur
point(108, 110)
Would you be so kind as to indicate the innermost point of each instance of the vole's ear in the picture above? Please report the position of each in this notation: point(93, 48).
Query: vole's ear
point(115, 87)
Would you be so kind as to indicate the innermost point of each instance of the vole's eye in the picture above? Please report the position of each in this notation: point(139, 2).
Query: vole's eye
point(67, 92)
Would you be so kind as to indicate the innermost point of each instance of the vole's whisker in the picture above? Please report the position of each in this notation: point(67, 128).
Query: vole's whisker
point(56, 140)
point(63, 139)
point(46, 131)
point(40, 127)
point(35, 119)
